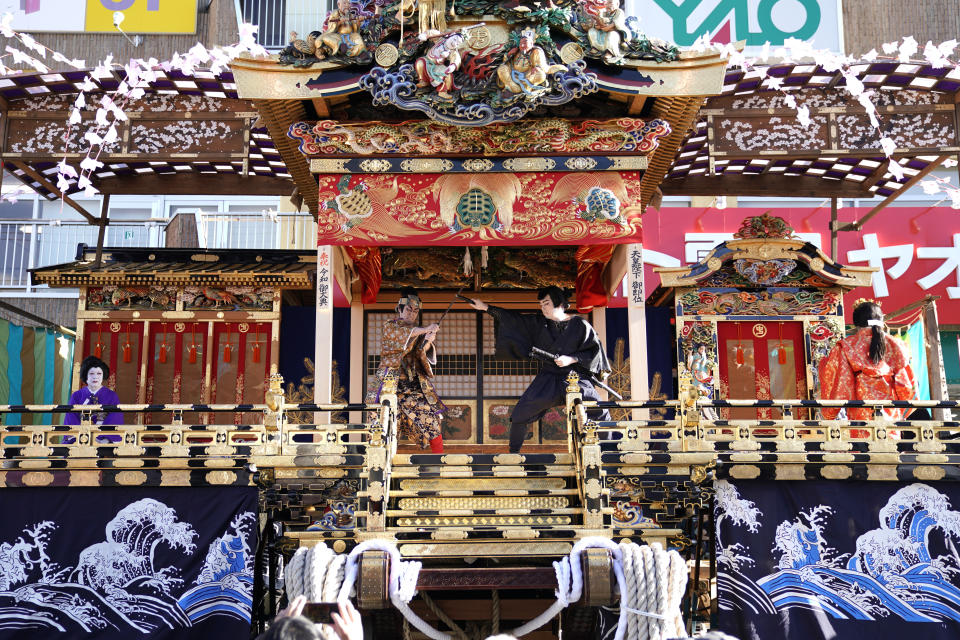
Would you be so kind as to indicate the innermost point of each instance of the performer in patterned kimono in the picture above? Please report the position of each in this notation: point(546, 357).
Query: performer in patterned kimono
point(553, 330)
point(407, 350)
point(869, 365)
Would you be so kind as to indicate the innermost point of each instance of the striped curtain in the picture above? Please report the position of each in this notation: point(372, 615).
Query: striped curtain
point(35, 368)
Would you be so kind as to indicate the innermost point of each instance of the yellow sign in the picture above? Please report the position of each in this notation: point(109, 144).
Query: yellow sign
point(143, 16)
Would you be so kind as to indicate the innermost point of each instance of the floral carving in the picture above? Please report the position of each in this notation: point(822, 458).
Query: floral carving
point(762, 302)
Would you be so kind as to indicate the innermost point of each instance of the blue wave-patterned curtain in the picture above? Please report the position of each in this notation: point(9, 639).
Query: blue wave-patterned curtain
point(822, 559)
point(119, 562)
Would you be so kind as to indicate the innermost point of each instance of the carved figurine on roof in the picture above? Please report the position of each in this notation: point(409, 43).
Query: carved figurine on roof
point(437, 58)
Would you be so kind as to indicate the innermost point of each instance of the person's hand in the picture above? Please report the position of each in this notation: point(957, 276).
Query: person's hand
point(564, 361)
point(294, 608)
point(479, 305)
point(347, 623)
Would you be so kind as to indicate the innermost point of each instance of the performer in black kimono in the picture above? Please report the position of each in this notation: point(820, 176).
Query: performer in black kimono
point(553, 330)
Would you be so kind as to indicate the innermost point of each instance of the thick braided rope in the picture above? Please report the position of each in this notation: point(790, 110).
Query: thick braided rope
point(678, 586)
point(455, 629)
point(662, 560)
point(570, 584)
point(334, 578)
point(495, 618)
point(403, 583)
point(649, 589)
point(628, 598)
point(293, 574)
point(319, 561)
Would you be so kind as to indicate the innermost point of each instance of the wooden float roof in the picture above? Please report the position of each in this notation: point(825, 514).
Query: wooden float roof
point(144, 267)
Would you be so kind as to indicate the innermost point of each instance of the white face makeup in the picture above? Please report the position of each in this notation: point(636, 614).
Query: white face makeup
point(410, 313)
point(549, 310)
point(94, 378)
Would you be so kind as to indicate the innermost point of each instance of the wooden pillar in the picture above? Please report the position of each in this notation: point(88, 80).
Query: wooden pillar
point(637, 328)
point(102, 231)
point(598, 318)
point(938, 374)
point(833, 230)
point(323, 336)
point(358, 363)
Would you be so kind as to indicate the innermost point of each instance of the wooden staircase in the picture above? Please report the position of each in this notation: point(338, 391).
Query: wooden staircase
point(483, 505)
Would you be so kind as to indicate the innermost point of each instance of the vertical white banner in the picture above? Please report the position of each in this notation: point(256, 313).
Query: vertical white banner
point(323, 338)
point(637, 328)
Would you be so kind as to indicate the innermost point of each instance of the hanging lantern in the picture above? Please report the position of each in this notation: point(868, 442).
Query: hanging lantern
point(738, 352)
point(781, 352)
point(162, 356)
point(227, 352)
point(256, 346)
point(192, 351)
point(128, 348)
point(98, 348)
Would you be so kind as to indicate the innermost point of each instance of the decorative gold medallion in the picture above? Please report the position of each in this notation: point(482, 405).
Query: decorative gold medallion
point(478, 38)
point(244, 327)
point(571, 52)
point(115, 327)
point(179, 327)
point(386, 54)
point(759, 330)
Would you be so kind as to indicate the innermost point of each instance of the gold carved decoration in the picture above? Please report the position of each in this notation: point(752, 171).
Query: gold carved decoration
point(386, 54)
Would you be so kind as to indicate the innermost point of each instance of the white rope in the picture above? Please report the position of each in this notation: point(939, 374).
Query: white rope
point(650, 581)
point(656, 581)
point(403, 583)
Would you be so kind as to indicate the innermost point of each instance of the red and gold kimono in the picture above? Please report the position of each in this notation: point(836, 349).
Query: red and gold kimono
point(848, 373)
point(419, 407)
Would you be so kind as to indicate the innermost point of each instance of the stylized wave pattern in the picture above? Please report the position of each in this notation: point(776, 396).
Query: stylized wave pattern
point(115, 585)
point(892, 573)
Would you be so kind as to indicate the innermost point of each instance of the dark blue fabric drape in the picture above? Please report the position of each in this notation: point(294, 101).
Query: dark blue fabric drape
point(832, 559)
point(123, 562)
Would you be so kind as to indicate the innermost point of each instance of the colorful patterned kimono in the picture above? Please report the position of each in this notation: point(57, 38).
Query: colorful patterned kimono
point(848, 373)
point(419, 407)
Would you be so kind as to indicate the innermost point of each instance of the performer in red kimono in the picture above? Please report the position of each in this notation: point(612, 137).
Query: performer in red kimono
point(407, 350)
point(553, 330)
point(869, 365)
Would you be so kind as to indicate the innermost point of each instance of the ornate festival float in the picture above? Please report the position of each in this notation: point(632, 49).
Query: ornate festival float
point(488, 149)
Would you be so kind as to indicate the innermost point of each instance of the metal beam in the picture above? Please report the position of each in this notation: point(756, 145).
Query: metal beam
point(52, 188)
point(767, 185)
point(104, 220)
point(858, 225)
point(196, 184)
point(35, 318)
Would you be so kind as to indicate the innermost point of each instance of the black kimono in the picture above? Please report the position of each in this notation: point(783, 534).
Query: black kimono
point(517, 332)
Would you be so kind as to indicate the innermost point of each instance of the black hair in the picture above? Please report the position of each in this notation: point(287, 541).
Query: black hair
point(93, 362)
point(406, 292)
point(871, 311)
point(291, 628)
point(557, 296)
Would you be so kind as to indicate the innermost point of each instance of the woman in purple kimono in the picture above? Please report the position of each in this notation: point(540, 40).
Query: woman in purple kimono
point(94, 371)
